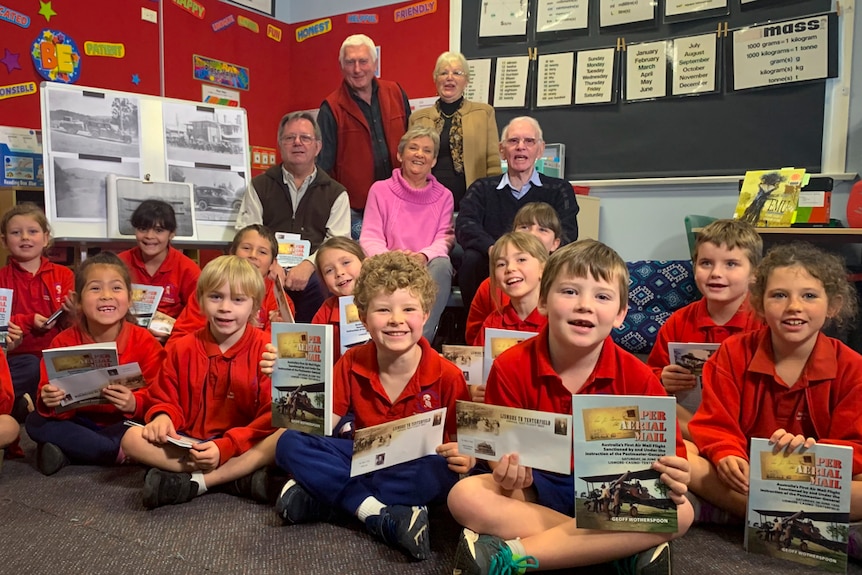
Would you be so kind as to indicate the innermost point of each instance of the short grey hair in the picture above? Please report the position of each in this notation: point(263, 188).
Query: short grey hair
point(529, 119)
point(452, 58)
point(293, 116)
point(358, 40)
point(416, 132)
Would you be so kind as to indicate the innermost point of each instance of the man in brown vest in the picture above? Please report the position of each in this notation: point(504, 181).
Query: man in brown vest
point(362, 122)
point(299, 197)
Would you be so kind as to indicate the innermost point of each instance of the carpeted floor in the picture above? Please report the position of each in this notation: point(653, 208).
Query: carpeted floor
point(90, 520)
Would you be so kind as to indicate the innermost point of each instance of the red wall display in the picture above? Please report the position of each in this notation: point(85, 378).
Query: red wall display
point(283, 75)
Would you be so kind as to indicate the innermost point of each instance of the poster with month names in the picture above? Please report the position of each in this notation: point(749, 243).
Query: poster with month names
point(620, 12)
point(694, 64)
point(560, 15)
point(781, 53)
point(692, 7)
point(594, 76)
point(554, 82)
point(478, 89)
point(510, 83)
point(500, 18)
point(646, 71)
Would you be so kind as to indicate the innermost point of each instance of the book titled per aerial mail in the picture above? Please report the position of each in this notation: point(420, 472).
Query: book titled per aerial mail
point(617, 438)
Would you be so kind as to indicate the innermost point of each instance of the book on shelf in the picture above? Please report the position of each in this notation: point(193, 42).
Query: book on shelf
point(145, 302)
point(542, 440)
point(691, 356)
point(351, 328)
point(616, 440)
point(399, 441)
point(302, 377)
point(799, 504)
point(769, 198)
point(496, 342)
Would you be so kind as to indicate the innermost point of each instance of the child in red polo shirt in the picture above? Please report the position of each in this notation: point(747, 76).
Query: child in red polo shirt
point(339, 261)
point(8, 426)
point(212, 389)
point(155, 262)
point(517, 260)
point(537, 218)
point(726, 253)
point(91, 434)
point(787, 381)
point(395, 375)
point(516, 517)
point(257, 244)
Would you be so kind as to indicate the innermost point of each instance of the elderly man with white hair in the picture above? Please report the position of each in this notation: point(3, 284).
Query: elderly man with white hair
point(362, 122)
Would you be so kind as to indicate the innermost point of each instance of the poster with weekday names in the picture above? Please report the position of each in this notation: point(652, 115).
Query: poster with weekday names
point(478, 89)
point(554, 84)
point(594, 76)
point(646, 70)
point(510, 84)
point(695, 61)
point(620, 12)
point(559, 15)
point(781, 53)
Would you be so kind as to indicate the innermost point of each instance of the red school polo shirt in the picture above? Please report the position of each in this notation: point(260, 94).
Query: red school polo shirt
point(178, 274)
point(508, 319)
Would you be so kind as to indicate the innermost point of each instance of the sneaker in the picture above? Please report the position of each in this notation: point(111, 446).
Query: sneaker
point(653, 561)
point(167, 488)
point(403, 527)
point(296, 505)
point(50, 459)
point(487, 554)
point(22, 407)
point(706, 512)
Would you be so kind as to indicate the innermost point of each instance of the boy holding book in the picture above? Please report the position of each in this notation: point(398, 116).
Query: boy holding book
point(395, 375)
point(519, 518)
point(725, 256)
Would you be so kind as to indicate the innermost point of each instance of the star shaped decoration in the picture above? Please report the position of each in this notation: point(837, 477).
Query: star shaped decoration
point(10, 59)
point(46, 10)
point(136, 79)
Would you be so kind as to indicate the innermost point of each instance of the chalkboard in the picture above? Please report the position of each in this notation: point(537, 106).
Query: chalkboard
point(710, 135)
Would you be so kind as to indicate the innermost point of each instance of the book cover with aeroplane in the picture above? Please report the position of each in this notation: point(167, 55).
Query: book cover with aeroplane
point(799, 504)
point(616, 440)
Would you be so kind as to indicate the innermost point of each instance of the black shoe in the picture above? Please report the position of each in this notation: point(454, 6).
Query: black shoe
point(22, 407)
point(167, 488)
point(404, 528)
point(252, 486)
point(296, 505)
point(50, 459)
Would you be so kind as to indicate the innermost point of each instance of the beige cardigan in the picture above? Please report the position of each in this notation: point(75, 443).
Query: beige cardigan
point(481, 139)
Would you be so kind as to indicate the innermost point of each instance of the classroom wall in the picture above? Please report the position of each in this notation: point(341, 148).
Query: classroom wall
point(301, 10)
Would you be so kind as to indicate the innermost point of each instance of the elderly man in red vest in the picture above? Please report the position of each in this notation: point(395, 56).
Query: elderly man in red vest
point(362, 122)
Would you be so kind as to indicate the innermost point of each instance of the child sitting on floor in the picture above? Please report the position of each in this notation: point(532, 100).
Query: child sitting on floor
point(517, 517)
point(395, 375)
point(213, 391)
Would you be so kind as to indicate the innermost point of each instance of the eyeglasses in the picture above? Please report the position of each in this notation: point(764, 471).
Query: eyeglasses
point(528, 142)
point(304, 138)
point(455, 73)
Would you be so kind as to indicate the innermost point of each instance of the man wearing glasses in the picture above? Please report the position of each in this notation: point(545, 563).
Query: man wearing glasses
point(489, 207)
point(299, 197)
point(362, 122)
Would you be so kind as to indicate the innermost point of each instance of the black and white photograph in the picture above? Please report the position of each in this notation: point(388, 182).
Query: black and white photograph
point(99, 124)
point(203, 134)
point(80, 186)
point(125, 195)
point(217, 193)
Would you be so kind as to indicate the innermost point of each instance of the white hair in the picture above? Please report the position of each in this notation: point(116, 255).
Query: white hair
point(530, 120)
point(358, 40)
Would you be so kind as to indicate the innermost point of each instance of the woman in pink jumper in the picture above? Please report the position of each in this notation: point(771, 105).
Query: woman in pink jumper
point(412, 212)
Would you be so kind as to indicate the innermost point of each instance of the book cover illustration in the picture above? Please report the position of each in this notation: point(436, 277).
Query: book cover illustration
point(145, 302)
point(292, 249)
point(65, 361)
point(352, 330)
point(85, 388)
point(5, 314)
point(468, 358)
point(691, 356)
point(496, 342)
point(393, 442)
point(799, 504)
point(616, 440)
point(768, 198)
point(162, 323)
point(302, 378)
point(542, 440)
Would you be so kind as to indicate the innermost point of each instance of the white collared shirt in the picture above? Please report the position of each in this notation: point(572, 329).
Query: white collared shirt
point(519, 193)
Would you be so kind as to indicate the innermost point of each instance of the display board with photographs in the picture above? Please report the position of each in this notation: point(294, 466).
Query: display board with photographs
point(90, 134)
